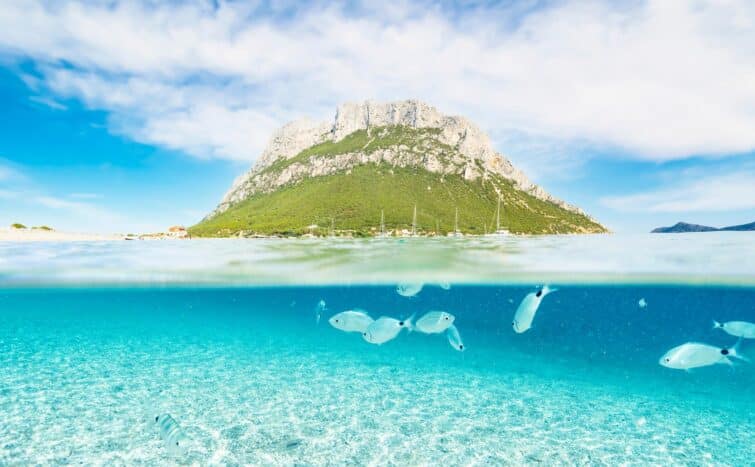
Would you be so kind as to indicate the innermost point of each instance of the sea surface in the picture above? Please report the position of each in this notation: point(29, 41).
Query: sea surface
point(232, 340)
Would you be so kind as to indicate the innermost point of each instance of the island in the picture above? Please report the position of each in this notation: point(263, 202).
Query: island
point(379, 169)
point(683, 227)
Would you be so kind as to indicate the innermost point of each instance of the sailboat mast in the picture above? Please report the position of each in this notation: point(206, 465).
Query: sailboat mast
point(498, 215)
point(414, 221)
point(456, 221)
point(382, 222)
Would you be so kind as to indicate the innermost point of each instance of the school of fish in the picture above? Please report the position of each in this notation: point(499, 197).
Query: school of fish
point(384, 329)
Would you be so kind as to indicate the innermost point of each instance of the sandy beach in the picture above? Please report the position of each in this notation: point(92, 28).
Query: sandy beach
point(41, 235)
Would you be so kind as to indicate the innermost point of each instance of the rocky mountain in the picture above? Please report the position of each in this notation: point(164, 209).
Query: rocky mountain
point(683, 227)
point(386, 157)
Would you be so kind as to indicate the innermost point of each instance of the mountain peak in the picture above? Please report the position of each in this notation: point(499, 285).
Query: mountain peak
point(479, 157)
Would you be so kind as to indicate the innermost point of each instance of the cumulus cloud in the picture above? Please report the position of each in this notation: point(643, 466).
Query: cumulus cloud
point(8, 172)
point(721, 192)
point(79, 208)
point(658, 80)
point(5, 173)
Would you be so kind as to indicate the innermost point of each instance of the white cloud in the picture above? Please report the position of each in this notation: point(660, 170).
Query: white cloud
point(716, 193)
point(661, 79)
point(85, 195)
point(8, 194)
point(48, 102)
point(8, 173)
point(74, 207)
point(5, 173)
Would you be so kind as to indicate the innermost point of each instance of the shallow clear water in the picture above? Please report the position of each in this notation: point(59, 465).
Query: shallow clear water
point(710, 258)
point(252, 378)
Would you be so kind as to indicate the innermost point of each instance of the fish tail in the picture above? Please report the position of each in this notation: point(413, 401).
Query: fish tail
point(409, 322)
point(734, 352)
point(717, 325)
point(547, 289)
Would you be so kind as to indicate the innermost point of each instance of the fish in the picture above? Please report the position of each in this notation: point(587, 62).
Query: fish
point(385, 329)
point(642, 303)
point(172, 434)
point(454, 338)
point(527, 309)
point(351, 321)
point(695, 355)
point(434, 322)
point(406, 289)
point(319, 308)
point(737, 328)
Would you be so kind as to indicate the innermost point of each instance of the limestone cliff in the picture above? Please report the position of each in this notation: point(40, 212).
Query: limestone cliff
point(443, 144)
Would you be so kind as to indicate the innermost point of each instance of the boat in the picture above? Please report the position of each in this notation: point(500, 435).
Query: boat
point(382, 224)
point(456, 232)
point(414, 222)
point(499, 232)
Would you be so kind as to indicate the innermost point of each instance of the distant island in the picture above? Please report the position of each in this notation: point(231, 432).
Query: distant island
point(397, 168)
point(683, 227)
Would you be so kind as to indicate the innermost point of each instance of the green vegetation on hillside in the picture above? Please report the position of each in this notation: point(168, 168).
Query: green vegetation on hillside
point(17, 225)
point(416, 140)
point(352, 202)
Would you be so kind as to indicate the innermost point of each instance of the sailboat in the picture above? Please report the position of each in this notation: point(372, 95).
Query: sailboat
point(382, 223)
point(499, 232)
point(414, 222)
point(456, 232)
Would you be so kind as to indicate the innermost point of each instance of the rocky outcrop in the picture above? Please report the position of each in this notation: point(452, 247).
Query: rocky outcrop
point(473, 154)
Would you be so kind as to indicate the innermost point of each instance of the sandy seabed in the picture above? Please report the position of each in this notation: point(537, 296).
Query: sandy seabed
point(245, 404)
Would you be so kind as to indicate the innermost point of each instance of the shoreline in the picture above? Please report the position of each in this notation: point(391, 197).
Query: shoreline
point(40, 235)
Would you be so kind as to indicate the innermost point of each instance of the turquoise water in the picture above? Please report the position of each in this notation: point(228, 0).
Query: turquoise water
point(252, 378)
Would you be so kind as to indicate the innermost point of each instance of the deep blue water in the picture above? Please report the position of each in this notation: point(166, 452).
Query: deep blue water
point(253, 379)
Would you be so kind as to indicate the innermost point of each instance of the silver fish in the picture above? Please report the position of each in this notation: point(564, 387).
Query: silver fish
point(454, 338)
point(695, 355)
point(385, 329)
point(737, 328)
point(351, 321)
point(409, 290)
point(172, 435)
point(434, 322)
point(525, 314)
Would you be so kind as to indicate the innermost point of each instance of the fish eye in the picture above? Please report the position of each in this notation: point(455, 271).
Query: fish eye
point(176, 443)
point(667, 360)
point(157, 418)
point(461, 346)
point(724, 351)
point(400, 323)
point(446, 318)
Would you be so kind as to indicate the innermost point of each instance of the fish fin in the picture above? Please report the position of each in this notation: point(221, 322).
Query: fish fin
point(717, 325)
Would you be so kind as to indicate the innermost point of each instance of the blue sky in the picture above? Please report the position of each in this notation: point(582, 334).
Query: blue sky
point(132, 116)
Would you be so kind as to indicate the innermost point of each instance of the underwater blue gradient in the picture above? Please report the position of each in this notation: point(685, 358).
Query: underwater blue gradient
point(253, 379)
